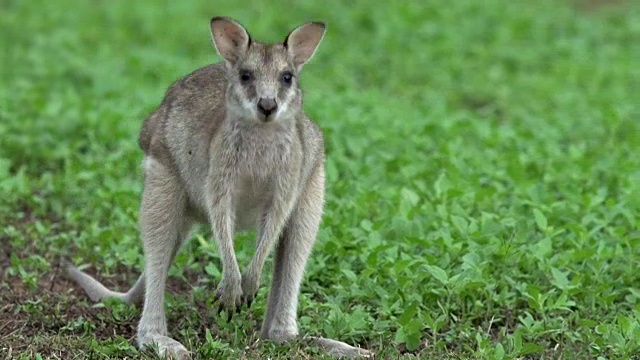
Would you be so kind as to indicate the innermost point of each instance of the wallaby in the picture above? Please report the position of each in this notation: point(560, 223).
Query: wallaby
point(230, 145)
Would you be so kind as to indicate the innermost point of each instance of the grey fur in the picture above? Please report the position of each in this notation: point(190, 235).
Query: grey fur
point(212, 156)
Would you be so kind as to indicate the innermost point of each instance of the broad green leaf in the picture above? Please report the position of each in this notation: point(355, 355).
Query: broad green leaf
point(411, 334)
point(409, 313)
point(559, 279)
point(625, 324)
point(441, 185)
point(410, 196)
point(541, 220)
point(543, 248)
point(438, 273)
point(460, 223)
point(530, 348)
point(499, 352)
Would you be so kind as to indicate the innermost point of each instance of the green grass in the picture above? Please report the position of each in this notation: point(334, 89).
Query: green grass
point(483, 177)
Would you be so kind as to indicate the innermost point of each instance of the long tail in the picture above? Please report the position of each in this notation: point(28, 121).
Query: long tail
point(98, 292)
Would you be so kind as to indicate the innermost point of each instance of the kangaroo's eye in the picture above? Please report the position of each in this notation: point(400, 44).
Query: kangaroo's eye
point(286, 77)
point(245, 76)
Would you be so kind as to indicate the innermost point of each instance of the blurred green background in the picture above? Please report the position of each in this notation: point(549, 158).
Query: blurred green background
point(482, 176)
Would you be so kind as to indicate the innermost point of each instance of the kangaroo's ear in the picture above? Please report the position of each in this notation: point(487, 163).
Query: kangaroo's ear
point(230, 38)
point(302, 42)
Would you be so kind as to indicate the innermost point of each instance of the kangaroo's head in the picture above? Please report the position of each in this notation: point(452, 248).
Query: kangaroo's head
point(263, 79)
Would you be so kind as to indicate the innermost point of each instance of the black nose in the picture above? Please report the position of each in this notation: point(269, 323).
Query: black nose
point(267, 106)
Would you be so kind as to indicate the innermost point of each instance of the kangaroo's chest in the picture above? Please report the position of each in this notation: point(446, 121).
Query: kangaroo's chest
point(251, 197)
point(255, 172)
point(251, 165)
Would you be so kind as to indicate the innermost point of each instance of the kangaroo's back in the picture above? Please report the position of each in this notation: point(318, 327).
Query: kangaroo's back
point(192, 110)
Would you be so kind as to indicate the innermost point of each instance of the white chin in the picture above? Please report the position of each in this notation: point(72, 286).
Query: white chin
point(267, 119)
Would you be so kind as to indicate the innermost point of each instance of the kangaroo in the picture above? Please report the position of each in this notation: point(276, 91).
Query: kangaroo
point(231, 146)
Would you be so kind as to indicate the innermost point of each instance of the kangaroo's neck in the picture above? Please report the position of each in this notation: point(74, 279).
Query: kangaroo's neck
point(253, 145)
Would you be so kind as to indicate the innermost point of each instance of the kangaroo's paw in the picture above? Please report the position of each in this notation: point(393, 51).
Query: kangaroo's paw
point(167, 347)
point(340, 349)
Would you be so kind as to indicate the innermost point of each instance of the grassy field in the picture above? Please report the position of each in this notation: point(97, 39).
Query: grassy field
point(483, 177)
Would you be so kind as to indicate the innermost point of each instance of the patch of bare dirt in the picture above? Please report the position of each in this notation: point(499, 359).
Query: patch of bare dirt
point(57, 301)
point(56, 319)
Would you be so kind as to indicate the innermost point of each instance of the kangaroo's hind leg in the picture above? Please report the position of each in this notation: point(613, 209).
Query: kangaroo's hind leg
point(164, 225)
point(292, 253)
